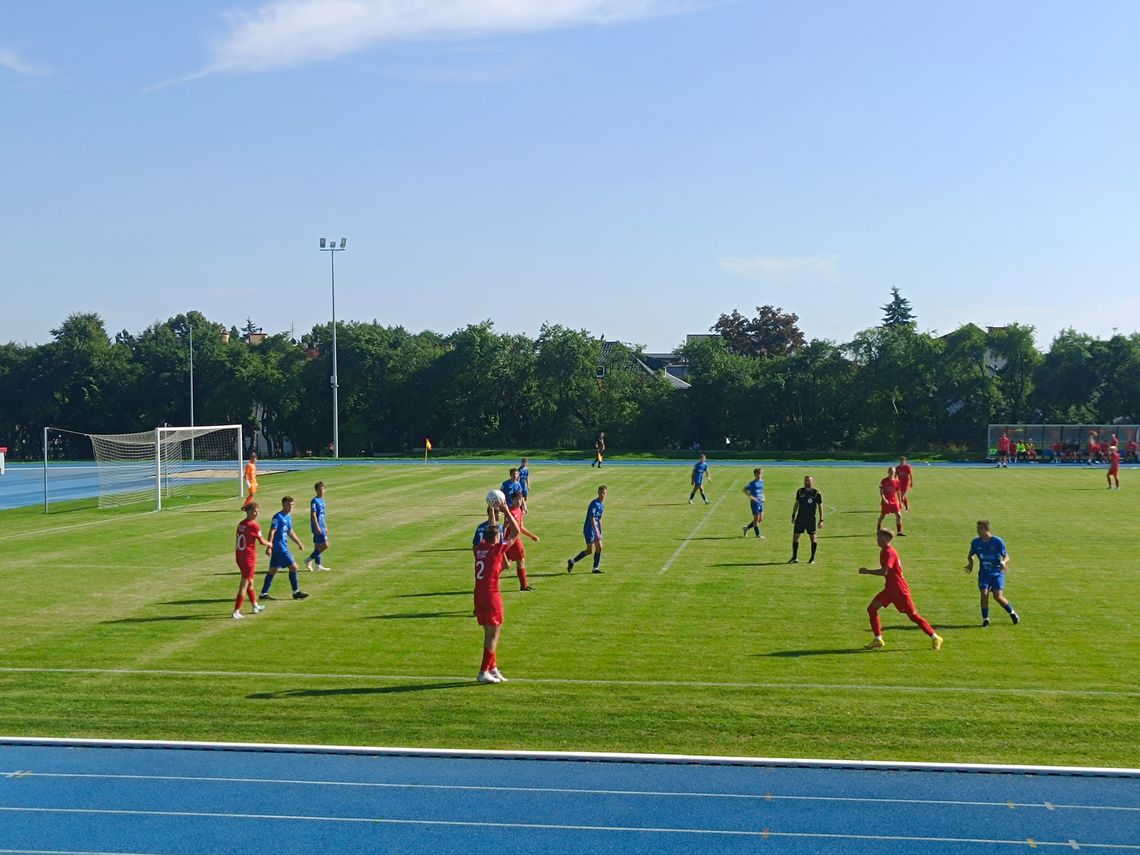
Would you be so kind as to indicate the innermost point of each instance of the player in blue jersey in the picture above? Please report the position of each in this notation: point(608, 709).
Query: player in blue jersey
point(280, 533)
point(479, 530)
point(524, 481)
point(992, 562)
point(755, 491)
point(512, 487)
point(592, 532)
point(698, 478)
point(319, 526)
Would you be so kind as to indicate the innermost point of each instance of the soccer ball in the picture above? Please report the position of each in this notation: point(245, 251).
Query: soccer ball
point(495, 498)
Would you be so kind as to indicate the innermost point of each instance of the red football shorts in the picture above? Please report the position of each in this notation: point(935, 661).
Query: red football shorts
point(889, 507)
point(247, 572)
point(515, 551)
point(898, 599)
point(489, 608)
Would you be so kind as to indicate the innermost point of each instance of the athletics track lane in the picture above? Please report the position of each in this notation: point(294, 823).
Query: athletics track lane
point(193, 800)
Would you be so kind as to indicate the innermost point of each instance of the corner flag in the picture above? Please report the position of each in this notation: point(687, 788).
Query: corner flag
point(427, 448)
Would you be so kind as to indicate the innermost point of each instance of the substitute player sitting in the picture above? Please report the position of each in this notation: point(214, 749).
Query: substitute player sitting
point(245, 553)
point(889, 500)
point(488, 600)
point(992, 562)
point(895, 593)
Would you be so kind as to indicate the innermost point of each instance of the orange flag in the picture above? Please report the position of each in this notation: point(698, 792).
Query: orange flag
point(427, 443)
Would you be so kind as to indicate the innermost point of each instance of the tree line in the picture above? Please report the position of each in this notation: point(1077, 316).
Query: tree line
point(759, 383)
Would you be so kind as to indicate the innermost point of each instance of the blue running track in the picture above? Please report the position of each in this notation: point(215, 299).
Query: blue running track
point(85, 796)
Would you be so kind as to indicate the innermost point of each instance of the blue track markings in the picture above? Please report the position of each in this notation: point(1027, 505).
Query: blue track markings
point(68, 798)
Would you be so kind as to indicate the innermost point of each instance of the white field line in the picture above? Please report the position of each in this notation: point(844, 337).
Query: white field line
point(559, 681)
point(572, 791)
point(692, 534)
point(542, 826)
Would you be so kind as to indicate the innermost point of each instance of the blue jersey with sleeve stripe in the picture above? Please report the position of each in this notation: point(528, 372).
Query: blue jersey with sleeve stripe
point(990, 553)
point(511, 489)
point(594, 514)
point(317, 507)
point(700, 469)
point(755, 489)
point(482, 527)
point(281, 526)
point(524, 476)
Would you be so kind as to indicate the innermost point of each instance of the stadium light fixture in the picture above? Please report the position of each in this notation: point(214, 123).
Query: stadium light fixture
point(332, 249)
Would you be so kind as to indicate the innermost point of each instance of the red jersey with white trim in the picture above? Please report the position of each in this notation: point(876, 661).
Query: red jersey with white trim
point(1114, 459)
point(904, 475)
point(488, 567)
point(895, 583)
point(890, 488)
point(245, 550)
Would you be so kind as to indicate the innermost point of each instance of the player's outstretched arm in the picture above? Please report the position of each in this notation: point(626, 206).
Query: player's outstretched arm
point(872, 571)
point(523, 530)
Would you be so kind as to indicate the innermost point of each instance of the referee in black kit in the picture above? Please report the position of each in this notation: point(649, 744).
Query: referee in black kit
point(809, 503)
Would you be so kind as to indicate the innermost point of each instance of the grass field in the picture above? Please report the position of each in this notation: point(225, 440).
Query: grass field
point(696, 640)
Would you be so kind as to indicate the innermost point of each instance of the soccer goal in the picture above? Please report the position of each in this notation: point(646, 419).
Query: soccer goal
point(161, 464)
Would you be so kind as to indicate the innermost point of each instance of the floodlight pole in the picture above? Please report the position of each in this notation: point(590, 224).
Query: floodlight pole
point(191, 325)
point(332, 249)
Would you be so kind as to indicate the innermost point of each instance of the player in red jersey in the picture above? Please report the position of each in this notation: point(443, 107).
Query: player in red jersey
point(1093, 448)
point(895, 593)
point(488, 601)
point(1132, 449)
point(245, 551)
point(1003, 450)
point(905, 476)
point(889, 500)
point(1113, 467)
point(515, 551)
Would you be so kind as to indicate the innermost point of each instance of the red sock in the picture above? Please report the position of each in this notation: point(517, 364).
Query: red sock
point(237, 603)
point(488, 660)
point(522, 578)
point(494, 663)
point(252, 596)
point(876, 624)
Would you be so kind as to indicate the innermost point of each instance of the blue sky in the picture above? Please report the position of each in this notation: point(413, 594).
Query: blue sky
point(631, 167)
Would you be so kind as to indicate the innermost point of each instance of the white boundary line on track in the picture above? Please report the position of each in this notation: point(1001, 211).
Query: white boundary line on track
point(591, 756)
point(565, 791)
point(692, 534)
point(566, 681)
point(542, 826)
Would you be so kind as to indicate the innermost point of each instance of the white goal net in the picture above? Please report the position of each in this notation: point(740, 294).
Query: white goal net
point(165, 463)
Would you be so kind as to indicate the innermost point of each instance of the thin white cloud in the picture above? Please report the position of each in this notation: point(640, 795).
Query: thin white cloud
point(773, 267)
point(285, 33)
point(12, 61)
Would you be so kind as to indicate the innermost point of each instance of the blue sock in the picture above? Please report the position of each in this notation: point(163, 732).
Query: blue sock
point(268, 581)
point(293, 581)
point(985, 614)
point(597, 558)
point(316, 556)
point(1008, 608)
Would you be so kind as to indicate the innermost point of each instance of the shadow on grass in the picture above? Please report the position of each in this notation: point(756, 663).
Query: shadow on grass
point(839, 651)
point(367, 690)
point(752, 564)
point(167, 617)
point(911, 626)
point(197, 602)
point(466, 593)
point(420, 615)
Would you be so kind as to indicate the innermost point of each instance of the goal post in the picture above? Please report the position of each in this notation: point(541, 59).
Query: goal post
point(161, 464)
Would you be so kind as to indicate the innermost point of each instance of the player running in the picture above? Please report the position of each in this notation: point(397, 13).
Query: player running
point(1113, 467)
point(889, 501)
point(895, 593)
point(808, 503)
point(754, 489)
point(905, 476)
point(250, 478)
point(281, 532)
point(515, 551)
point(319, 527)
point(698, 478)
point(524, 481)
point(592, 532)
point(245, 552)
point(488, 600)
point(992, 562)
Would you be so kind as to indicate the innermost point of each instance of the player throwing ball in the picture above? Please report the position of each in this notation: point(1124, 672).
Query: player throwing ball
point(895, 593)
point(592, 532)
point(992, 561)
point(245, 552)
point(488, 600)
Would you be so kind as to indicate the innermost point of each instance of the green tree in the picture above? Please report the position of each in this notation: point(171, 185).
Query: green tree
point(771, 333)
point(897, 312)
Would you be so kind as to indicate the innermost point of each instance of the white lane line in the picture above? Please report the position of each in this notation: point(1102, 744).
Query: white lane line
point(560, 681)
point(692, 534)
point(542, 826)
point(70, 852)
point(588, 791)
